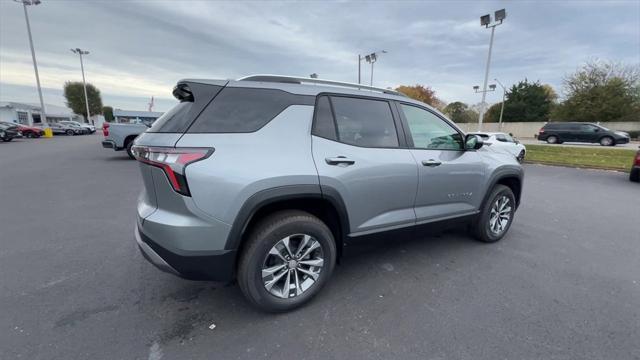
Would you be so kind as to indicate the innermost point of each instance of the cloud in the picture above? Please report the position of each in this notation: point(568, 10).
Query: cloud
point(140, 49)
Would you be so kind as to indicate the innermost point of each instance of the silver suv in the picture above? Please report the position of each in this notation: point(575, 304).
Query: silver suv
point(265, 178)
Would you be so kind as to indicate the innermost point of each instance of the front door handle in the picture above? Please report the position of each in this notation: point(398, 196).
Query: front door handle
point(431, 163)
point(339, 160)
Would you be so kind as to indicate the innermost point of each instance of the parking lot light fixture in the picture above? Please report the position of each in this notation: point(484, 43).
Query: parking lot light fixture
point(485, 21)
point(370, 58)
point(43, 115)
point(81, 52)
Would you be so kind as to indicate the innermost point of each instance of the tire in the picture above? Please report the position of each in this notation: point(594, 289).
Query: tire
point(70, 132)
point(482, 228)
point(261, 253)
point(30, 135)
point(607, 141)
point(520, 156)
point(128, 149)
point(552, 139)
point(634, 175)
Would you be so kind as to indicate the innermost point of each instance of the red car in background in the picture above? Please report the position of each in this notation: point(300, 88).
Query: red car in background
point(634, 175)
point(27, 131)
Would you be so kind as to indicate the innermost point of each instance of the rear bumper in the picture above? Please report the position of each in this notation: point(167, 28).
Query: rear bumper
point(216, 265)
point(109, 144)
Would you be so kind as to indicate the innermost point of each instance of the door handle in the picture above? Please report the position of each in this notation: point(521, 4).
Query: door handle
point(431, 163)
point(339, 160)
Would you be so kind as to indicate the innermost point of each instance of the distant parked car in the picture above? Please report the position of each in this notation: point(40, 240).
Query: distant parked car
point(27, 131)
point(64, 129)
point(559, 132)
point(634, 175)
point(90, 128)
point(9, 131)
point(499, 141)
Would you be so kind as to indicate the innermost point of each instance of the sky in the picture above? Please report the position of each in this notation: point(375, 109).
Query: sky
point(140, 49)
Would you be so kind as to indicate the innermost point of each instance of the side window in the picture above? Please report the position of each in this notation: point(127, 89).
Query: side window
point(323, 124)
point(429, 131)
point(501, 137)
point(237, 110)
point(364, 122)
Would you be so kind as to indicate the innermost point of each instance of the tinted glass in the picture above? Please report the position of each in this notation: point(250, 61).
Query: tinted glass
point(237, 110)
point(178, 119)
point(429, 131)
point(364, 122)
point(323, 124)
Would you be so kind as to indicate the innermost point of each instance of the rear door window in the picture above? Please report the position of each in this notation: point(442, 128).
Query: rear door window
point(241, 110)
point(364, 122)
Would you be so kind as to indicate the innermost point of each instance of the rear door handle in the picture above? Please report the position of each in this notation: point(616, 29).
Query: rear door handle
point(431, 162)
point(339, 160)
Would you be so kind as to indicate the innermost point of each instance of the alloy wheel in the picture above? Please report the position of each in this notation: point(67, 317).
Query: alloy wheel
point(292, 266)
point(500, 215)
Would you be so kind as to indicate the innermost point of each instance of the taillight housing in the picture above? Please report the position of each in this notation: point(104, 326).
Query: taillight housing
point(172, 161)
point(105, 129)
point(637, 162)
point(541, 131)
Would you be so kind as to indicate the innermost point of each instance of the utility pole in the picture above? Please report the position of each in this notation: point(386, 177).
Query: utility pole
point(43, 115)
point(81, 52)
point(485, 21)
point(504, 95)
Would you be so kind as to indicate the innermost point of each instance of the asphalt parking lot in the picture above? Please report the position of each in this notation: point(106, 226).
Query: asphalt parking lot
point(563, 284)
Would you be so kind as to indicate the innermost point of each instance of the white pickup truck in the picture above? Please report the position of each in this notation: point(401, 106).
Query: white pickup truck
point(120, 136)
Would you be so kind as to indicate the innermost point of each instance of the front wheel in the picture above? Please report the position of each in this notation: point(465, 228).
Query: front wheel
point(70, 132)
point(520, 156)
point(287, 259)
point(607, 141)
point(496, 215)
point(128, 149)
point(552, 139)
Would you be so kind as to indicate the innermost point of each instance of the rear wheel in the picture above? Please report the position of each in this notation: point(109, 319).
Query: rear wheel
point(496, 216)
point(552, 139)
point(70, 132)
point(634, 175)
point(607, 141)
point(287, 259)
point(29, 135)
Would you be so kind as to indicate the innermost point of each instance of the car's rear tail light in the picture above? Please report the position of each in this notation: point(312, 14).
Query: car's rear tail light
point(172, 161)
point(541, 131)
point(637, 162)
point(105, 129)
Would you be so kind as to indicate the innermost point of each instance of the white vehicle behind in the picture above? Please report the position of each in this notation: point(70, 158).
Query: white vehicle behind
point(89, 127)
point(503, 142)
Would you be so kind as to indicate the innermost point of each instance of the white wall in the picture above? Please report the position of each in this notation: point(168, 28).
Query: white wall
point(530, 129)
point(7, 114)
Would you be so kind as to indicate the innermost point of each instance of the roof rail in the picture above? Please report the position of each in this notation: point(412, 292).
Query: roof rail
point(300, 80)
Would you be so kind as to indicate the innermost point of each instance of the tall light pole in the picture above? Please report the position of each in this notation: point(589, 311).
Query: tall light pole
point(485, 21)
point(25, 3)
point(371, 58)
point(81, 52)
point(504, 95)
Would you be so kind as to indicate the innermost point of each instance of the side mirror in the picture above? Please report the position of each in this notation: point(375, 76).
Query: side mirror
point(473, 142)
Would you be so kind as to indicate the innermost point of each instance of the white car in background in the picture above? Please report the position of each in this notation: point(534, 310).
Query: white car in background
point(91, 129)
point(503, 142)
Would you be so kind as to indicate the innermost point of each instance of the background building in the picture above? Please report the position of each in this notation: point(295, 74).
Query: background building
point(135, 117)
point(30, 114)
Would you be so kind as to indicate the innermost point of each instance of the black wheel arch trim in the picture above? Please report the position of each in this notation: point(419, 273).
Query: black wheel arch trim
point(283, 193)
point(502, 174)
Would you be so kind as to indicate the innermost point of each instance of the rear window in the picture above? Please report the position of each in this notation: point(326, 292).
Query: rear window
point(178, 119)
point(241, 110)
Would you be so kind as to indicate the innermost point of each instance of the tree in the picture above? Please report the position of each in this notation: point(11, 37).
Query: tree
point(421, 93)
point(74, 93)
point(601, 91)
point(460, 112)
point(107, 111)
point(525, 101)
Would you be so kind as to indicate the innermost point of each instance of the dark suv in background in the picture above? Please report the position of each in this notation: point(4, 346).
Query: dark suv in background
point(559, 132)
